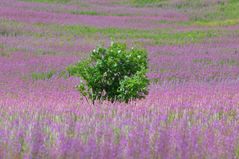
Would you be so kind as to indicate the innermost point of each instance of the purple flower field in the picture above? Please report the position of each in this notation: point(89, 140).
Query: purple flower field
point(191, 111)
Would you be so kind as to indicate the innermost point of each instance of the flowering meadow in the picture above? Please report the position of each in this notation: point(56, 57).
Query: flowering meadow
point(191, 111)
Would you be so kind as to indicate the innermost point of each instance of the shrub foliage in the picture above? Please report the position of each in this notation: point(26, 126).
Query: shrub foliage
point(114, 73)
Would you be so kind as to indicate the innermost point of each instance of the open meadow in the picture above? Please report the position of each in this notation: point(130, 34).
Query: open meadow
point(191, 111)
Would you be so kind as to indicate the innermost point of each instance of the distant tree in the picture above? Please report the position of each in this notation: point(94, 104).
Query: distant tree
point(113, 73)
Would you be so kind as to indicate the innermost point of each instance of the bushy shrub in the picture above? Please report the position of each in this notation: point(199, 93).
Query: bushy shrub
point(114, 73)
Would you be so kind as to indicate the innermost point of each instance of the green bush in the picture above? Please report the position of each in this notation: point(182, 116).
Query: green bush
point(114, 74)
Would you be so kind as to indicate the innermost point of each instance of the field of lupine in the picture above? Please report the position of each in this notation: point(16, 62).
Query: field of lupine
point(192, 110)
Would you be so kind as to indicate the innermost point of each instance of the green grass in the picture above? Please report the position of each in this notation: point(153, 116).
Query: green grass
point(85, 12)
point(225, 14)
point(10, 28)
point(230, 10)
point(90, 12)
point(214, 23)
point(204, 61)
point(42, 75)
point(237, 151)
point(145, 2)
point(157, 36)
point(207, 14)
point(6, 32)
point(48, 1)
point(229, 62)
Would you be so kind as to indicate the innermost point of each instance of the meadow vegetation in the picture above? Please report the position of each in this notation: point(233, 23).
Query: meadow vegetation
point(190, 81)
